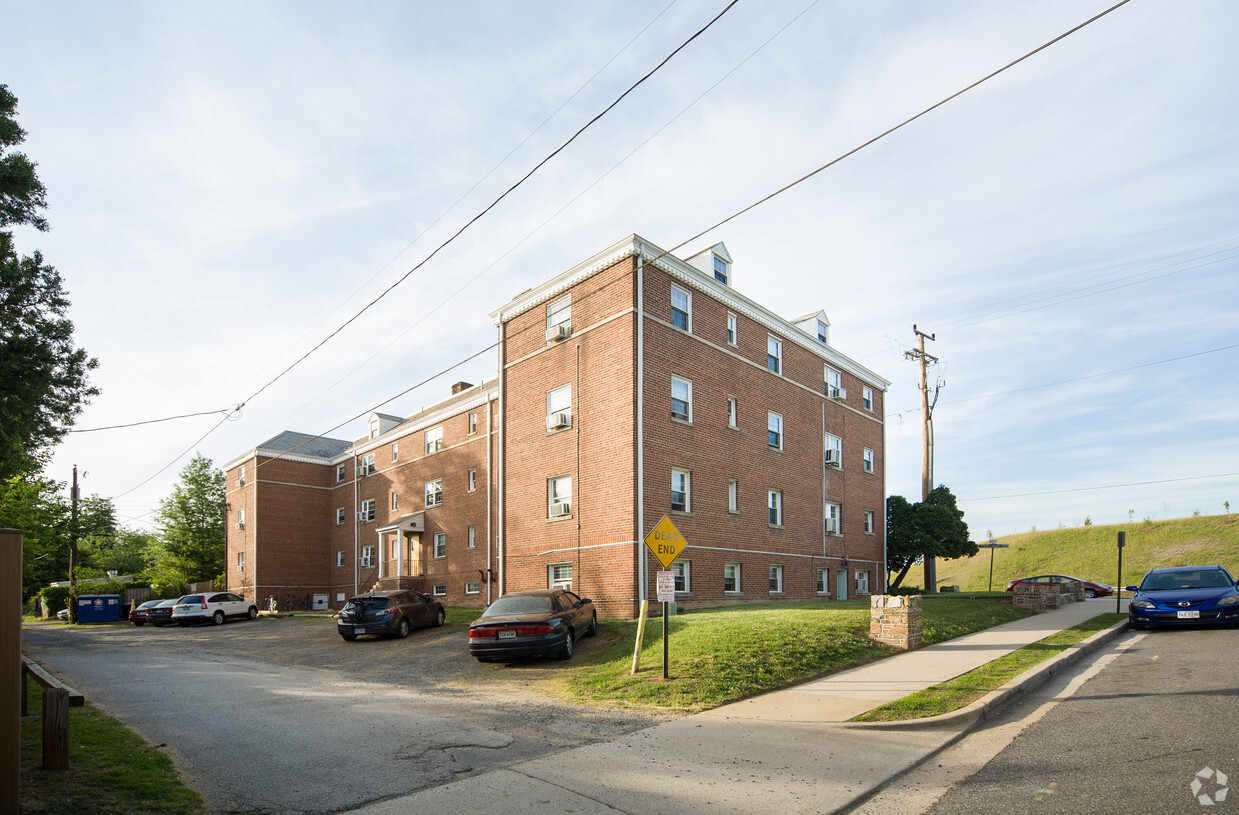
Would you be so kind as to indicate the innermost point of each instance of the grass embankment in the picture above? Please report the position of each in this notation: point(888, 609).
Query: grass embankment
point(1091, 552)
point(112, 771)
point(726, 654)
point(965, 689)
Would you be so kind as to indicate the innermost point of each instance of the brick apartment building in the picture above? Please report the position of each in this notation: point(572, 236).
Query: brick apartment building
point(632, 386)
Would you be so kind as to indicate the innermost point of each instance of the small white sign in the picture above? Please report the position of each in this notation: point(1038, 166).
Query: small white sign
point(666, 587)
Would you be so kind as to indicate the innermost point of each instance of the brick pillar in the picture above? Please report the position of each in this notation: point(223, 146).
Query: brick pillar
point(896, 620)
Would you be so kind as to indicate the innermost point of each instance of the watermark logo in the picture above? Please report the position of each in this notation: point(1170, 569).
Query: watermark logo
point(1209, 787)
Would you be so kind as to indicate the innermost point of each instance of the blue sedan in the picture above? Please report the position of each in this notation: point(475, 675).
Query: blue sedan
point(1185, 595)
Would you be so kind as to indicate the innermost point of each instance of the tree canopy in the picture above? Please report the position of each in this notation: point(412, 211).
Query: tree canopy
point(192, 541)
point(931, 528)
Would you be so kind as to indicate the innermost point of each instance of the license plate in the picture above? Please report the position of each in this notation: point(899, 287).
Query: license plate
point(359, 630)
point(1189, 615)
point(507, 635)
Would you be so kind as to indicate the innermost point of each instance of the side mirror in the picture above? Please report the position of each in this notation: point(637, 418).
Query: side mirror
point(585, 600)
point(1131, 588)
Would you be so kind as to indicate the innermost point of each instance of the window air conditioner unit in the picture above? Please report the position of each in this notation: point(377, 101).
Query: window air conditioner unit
point(558, 332)
point(240, 482)
point(832, 526)
point(834, 458)
point(557, 421)
point(240, 524)
point(560, 510)
point(838, 394)
point(434, 446)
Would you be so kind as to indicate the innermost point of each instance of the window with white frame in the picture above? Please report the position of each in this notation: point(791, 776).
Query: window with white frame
point(733, 496)
point(341, 472)
point(395, 502)
point(721, 271)
point(440, 544)
point(340, 558)
point(733, 415)
point(776, 579)
point(434, 492)
point(559, 312)
point(341, 515)
point(367, 556)
point(473, 480)
point(559, 575)
point(559, 408)
point(823, 332)
point(833, 446)
point(440, 590)
point(366, 513)
point(240, 561)
point(681, 569)
point(774, 430)
point(473, 537)
point(395, 451)
point(681, 399)
point(866, 395)
point(680, 486)
point(774, 354)
point(240, 519)
point(869, 522)
point(868, 458)
point(823, 581)
point(774, 503)
point(559, 496)
point(473, 423)
point(681, 308)
point(434, 440)
point(731, 578)
point(862, 582)
point(473, 588)
point(833, 519)
point(834, 384)
point(366, 465)
point(731, 328)
point(241, 476)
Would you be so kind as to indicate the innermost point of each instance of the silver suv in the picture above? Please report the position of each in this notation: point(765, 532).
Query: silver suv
point(214, 607)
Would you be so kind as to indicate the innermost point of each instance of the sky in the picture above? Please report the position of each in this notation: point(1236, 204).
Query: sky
point(229, 182)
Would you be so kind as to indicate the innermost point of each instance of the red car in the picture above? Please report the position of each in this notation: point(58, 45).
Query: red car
point(138, 615)
point(1091, 589)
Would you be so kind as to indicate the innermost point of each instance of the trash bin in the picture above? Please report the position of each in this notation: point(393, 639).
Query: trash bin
point(98, 608)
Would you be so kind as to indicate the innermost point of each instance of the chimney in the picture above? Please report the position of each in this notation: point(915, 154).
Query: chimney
point(460, 386)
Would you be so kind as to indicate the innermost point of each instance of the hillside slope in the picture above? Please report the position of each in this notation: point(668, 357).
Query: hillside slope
point(1091, 552)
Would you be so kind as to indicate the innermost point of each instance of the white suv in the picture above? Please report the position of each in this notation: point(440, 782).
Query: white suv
point(212, 606)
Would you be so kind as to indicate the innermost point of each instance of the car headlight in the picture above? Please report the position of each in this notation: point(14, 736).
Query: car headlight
point(1229, 601)
point(1142, 604)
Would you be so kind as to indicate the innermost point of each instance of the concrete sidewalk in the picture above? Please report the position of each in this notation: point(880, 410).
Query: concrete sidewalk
point(785, 751)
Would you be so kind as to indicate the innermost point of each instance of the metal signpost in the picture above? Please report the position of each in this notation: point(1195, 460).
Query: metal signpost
point(1118, 584)
point(991, 546)
point(666, 542)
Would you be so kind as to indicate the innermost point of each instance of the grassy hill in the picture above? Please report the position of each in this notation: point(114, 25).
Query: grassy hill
point(1091, 552)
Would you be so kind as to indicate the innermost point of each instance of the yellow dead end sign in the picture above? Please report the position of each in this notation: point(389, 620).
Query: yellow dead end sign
point(666, 542)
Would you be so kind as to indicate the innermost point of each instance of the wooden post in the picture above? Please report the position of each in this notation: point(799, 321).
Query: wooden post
point(55, 729)
point(12, 677)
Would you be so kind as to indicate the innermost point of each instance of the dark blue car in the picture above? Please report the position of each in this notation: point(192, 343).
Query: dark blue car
point(1185, 595)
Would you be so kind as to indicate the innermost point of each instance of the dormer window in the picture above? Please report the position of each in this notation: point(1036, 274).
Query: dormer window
point(722, 271)
point(822, 334)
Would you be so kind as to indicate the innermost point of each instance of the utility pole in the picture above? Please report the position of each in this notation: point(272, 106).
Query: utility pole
point(73, 549)
point(927, 436)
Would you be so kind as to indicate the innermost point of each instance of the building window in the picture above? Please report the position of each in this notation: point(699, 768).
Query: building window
point(241, 476)
point(395, 451)
point(774, 354)
point(822, 333)
point(731, 578)
point(774, 501)
point(473, 588)
point(395, 502)
point(340, 515)
point(774, 430)
point(732, 412)
point(240, 561)
point(867, 398)
point(366, 467)
point(823, 581)
point(366, 514)
point(341, 472)
point(833, 521)
point(733, 496)
point(434, 440)
point(559, 313)
point(473, 423)
point(834, 450)
point(440, 590)
point(367, 556)
point(776, 579)
point(434, 492)
point(559, 496)
point(681, 399)
point(440, 544)
point(680, 481)
point(340, 558)
point(721, 272)
point(731, 328)
point(559, 408)
point(240, 519)
point(868, 457)
point(473, 537)
point(869, 518)
point(681, 571)
point(473, 480)
point(834, 384)
point(862, 582)
point(559, 575)
point(681, 309)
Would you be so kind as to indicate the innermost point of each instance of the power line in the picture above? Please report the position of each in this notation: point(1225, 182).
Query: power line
point(1106, 487)
point(230, 410)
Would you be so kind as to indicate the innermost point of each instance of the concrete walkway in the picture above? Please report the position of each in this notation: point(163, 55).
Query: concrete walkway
point(781, 752)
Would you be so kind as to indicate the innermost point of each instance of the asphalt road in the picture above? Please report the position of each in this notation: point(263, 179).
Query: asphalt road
point(283, 716)
point(1132, 738)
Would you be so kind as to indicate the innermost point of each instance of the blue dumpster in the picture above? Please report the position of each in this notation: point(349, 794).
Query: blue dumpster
point(98, 608)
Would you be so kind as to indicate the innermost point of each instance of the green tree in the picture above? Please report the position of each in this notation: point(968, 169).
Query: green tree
point(125, 551)
point(44, 378)
point(41, 511)
point(192, 537)
point(932, 528)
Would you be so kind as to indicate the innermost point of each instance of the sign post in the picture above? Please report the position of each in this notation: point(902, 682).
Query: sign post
point(1118, 586)
point(666, 542)
point(991, 546)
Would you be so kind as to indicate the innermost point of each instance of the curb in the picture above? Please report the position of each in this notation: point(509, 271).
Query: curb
point(994, 701)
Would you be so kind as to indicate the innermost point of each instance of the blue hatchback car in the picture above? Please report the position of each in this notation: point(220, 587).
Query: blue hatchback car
point(1184, 595)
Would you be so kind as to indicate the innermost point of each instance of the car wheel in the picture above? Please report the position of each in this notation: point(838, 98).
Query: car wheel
point(440, 617)
point(593, 626)
point(217, 618)
point(1089, 594)
point(565, 653)
point(403, 630)
point(252, 613)
point(349, 637)
point(139, 623)
point(183, 623)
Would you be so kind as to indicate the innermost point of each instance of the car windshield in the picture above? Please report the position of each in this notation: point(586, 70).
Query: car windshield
point(1200, 579)
point(363, 603)
point(519, 605)
point(191, 598)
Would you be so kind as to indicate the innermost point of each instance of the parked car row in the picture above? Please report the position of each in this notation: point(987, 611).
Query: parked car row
point(213, 607)
point(1091, 589)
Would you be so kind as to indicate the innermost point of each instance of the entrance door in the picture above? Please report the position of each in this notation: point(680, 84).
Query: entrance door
point(841, 583)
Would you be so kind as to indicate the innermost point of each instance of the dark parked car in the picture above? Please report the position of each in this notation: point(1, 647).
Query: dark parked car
point(1091, 589)
point(161, 614)
point(1184, 595)
point(138, 615)
point(524, 624)
point(388, 613)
